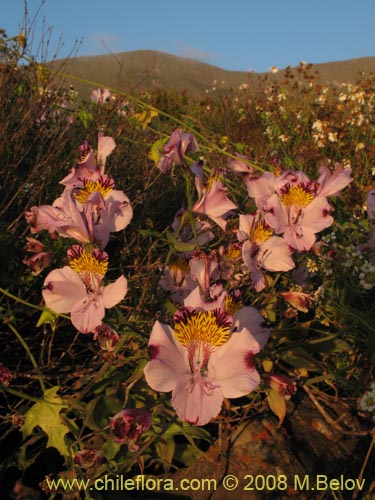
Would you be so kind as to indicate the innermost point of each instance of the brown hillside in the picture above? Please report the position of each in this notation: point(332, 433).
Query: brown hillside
point(149, 70)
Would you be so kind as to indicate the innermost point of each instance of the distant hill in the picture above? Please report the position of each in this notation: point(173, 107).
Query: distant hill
point(147, 70)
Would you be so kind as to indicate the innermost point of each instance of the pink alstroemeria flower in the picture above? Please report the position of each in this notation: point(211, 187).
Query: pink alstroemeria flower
point(261, 188)
point(296, 206)
point(64, 218)
point(107, 337)
point(177, 280)
point(184, 233)
point(87, 458)
point(213, 298)
point(302, 301)
point(5, 375)
point(330, 184)
point(174, 151)
point(296, 211)
point(261, 250)
point(77, 289)
point(128, 425)
point(110, 208)
point(202, 363)
point(41, 257)
point(284, 385)
point(100, 96)
point(90, 165)
point(240, 165)
point(214, 203)
point(203, 269)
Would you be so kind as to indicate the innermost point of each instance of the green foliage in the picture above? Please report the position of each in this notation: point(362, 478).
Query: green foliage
point(46, 415)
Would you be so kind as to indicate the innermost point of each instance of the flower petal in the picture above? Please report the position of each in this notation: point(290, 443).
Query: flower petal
point(114, 292)
point(275, 255)
point(88, 313)
point(250, 318)
point(197, 402)
point(232, 365)
point(169, 359)
point(63, 289)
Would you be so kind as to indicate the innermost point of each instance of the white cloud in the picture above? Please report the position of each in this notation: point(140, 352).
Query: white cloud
point(193, 53)
point(105, 41)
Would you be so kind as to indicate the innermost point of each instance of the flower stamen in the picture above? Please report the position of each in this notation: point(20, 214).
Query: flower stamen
point(104, 185)
point(300, 194)
point(81, 261)
point(210, 328)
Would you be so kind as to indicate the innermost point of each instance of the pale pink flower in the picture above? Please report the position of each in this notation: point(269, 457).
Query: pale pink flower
point(177, 280)
point(202, 363)
point(91, 164)
point(203, 269)
point(240, 165)
point(100, 96)
point(284, 385)
point(296, 206)
point(214, 203)
point(250, 319)
point(87, 458)
point(107, 209)
point(174, 151)
point(77, 289)
point(41, 257)
point(5, 375)
point(63, 218)
point(300, 300)
point(106, 337)
point(128, 425)
point(261, 250)
point(183, 232)
point(330, 184)
point(261, 188)
point(298, 215)
point(213, 298)
point(38, 261)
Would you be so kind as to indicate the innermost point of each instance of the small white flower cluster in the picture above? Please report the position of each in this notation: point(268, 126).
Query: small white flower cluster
point(312, 265)
point(367, 275)
point(367, 402)
point(330, 237)
point(360, 266)
point(318, 294)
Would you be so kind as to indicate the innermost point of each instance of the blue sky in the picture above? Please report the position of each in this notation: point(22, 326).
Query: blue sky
point(232, 34)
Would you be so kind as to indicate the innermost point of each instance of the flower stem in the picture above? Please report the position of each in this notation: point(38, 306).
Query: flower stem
point(30, 354)
point(20, 394)
point(21, 301)
point(190, 207)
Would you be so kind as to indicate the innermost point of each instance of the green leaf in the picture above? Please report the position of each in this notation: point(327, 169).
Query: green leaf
point(299, 358)
point(187, 455)
point(145, 117)
point(46, 415)
point(178, 245)
point(85, 117)
point(100, 410)
point(329, 345)
point(165, 450)
point(156, 150)
point(110, 449)
point(189, 431)
point(48, 317)
point(277, 405)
